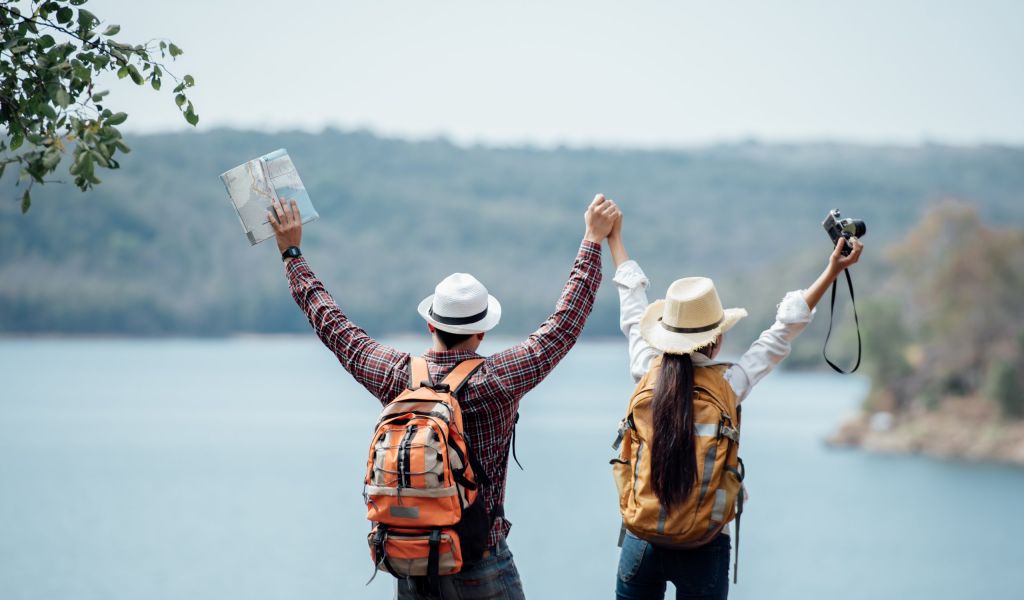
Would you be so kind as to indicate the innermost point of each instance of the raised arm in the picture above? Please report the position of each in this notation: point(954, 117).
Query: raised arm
point(521, 367)
point(632, 286)
point(615, 243)
point(371, 363)
point(794, 313)
point(837, 263)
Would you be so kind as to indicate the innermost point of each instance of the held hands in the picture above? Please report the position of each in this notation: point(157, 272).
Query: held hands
point(601, 216)
point(287, 224)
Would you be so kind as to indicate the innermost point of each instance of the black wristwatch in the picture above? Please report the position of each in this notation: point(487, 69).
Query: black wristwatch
point(291, 252)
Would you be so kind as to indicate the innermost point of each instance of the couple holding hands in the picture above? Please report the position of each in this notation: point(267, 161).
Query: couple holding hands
point(672, 458)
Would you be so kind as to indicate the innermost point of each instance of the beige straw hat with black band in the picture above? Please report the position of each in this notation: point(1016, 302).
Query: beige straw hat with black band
point(689, 318)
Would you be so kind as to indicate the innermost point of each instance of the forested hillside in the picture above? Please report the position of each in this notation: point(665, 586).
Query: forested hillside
point(157, 250)
point(944, 340)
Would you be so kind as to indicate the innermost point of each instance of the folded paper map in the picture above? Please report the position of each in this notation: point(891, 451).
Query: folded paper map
point(254, 185)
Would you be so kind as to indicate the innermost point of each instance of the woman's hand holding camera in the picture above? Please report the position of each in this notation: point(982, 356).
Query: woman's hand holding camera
point(837, 263)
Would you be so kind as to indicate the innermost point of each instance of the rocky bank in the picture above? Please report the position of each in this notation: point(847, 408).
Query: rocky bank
point(959, 428)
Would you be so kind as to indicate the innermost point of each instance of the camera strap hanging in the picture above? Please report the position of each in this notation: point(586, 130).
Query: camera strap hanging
point(824, 349)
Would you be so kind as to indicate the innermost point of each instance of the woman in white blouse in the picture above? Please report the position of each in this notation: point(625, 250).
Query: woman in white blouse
point(644, 569)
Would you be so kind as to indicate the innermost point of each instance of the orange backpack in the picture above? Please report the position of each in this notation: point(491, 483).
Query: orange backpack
point(422, 481)
point(718, 495)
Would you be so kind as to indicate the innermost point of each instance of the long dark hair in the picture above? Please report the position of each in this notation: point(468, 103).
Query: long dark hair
point(673, 453)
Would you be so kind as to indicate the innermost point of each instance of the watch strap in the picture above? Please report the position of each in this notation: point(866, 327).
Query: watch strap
point(291, 252)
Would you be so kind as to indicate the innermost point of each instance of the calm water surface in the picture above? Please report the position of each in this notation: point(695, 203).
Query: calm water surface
point(232, 469)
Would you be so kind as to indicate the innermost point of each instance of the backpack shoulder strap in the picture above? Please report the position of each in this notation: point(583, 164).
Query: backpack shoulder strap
point(461, 374)
point(418, 372)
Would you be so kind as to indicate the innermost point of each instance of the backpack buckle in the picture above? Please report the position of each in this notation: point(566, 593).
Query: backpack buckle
point(725, 431)
point(442, 388)
point(620, 434)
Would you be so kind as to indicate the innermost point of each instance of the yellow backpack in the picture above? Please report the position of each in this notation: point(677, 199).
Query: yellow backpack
point(717, 497)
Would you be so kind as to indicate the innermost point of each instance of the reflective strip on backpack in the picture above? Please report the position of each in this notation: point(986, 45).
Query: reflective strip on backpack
point(378, 490)
point(718, 510)
point(705, 429)
point(709, 466)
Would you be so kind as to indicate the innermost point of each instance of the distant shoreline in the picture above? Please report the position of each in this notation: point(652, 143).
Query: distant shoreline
point(968, 429)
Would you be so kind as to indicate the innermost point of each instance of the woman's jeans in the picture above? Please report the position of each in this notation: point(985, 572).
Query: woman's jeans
point(491, 578)
point(696, 573)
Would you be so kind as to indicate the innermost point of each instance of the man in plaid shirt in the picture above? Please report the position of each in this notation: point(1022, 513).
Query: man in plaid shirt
point(458, 315)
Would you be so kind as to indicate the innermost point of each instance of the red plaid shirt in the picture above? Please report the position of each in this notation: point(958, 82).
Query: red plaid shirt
point(491, 397)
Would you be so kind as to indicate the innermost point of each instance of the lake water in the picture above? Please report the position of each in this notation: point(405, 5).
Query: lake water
point(232, 469)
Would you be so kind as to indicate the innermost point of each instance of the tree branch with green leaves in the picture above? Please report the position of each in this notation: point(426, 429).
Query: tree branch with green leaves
point(51, 54)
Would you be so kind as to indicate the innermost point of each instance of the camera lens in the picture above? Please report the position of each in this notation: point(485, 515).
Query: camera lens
point(859, 228)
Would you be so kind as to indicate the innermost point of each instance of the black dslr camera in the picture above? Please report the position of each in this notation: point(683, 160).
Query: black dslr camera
point(837, 227)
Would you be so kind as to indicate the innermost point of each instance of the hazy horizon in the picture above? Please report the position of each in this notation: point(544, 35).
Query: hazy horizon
point(582, 74)
point(680, 146)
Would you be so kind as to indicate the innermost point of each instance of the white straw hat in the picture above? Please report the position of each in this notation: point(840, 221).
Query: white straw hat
point(461, 304)
point(690, 317)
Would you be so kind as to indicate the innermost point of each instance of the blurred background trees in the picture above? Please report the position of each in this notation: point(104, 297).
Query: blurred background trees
point(157, 249)
point(954, 327)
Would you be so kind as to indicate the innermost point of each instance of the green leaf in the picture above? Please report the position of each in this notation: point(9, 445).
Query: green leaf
point(122, 72)
point(112, 30)
point(133, 72)
point(16, 141)
point(189, 81)
point(64, 14)
point(51, 158)
point(179, 100)
point(46, 41)
point(191, 116)
point(174, 50)
point(96, 97)
point(63, 98)
point(155, 82)
point(26, 201)
point(117, 118)
point(86, 20)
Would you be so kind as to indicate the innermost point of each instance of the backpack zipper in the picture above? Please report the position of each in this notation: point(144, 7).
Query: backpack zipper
point(403, 460)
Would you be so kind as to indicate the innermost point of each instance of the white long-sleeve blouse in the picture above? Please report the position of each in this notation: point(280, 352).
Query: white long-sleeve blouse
point(770, 348)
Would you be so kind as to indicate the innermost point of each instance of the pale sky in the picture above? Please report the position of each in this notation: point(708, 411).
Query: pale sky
point(629, 73)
